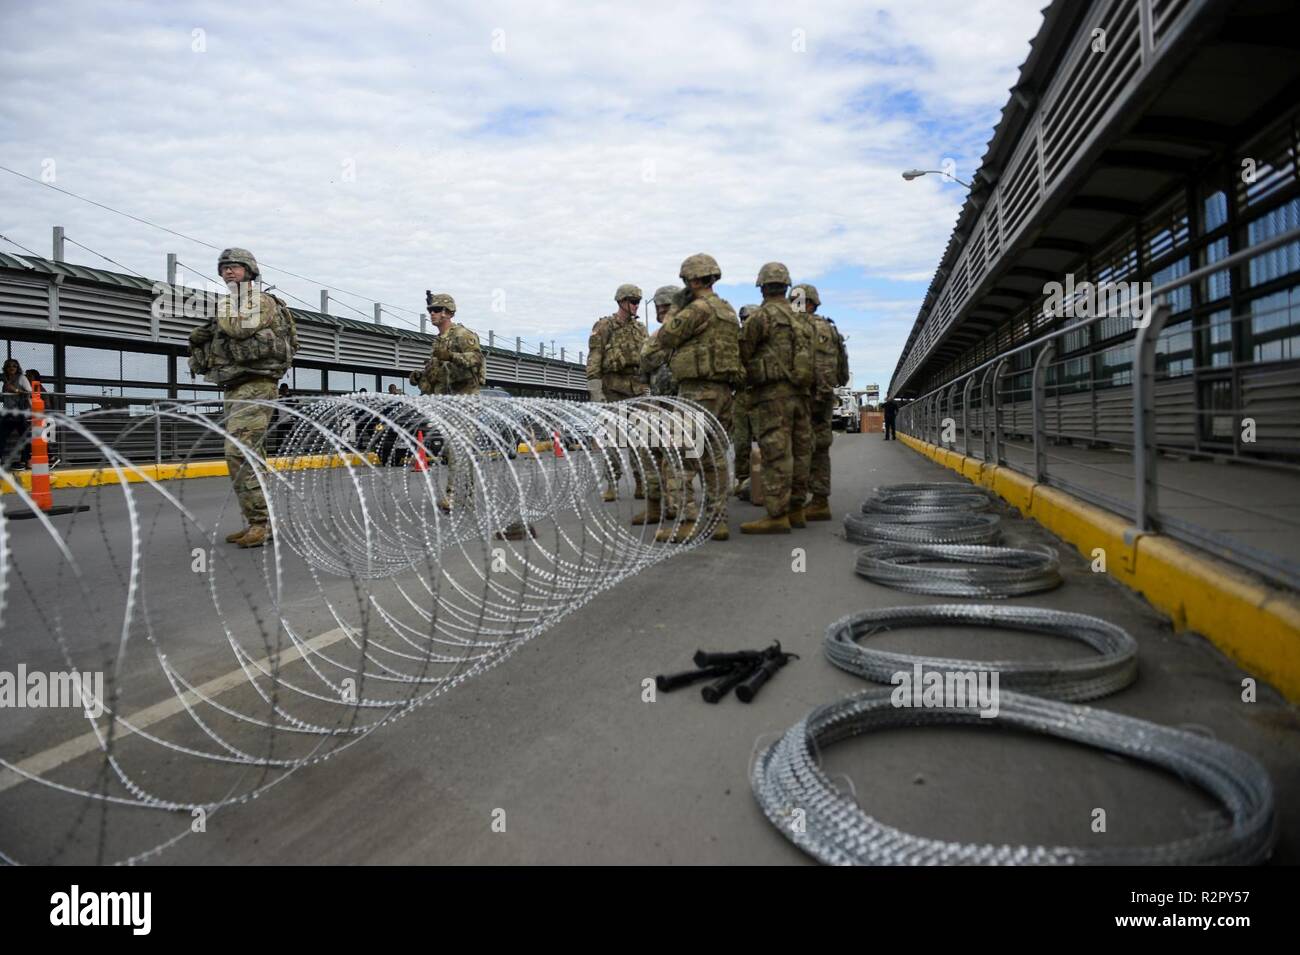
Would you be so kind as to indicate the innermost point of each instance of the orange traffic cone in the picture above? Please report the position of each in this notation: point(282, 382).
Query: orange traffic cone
point(40, 487)
point(421, 462)
point(557, 444)
point(40, 453)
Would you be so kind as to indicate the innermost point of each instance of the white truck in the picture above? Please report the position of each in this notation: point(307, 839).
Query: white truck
point(847, 415)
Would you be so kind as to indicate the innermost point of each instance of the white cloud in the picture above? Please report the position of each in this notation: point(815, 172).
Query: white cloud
point(602, 145)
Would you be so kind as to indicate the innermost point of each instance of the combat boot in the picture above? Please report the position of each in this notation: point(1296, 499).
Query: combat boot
point(767, 525)
point(651, 515)
point(797, 517)
point(517, 532)
point(721, 533)
point(235, 537)
point(444, 504)
point(609, 495)
point(257, 535)
point(819, 509)
point(682, 534)
point(743, 491)
point(638, 493)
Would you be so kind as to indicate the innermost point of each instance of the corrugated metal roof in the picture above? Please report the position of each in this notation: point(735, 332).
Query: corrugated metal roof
point(34, 263)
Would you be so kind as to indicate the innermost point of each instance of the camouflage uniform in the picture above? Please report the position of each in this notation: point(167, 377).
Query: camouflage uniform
point(831, 369)
point(247, 422)
point(614, 358)
point(776, 345)
point(455, 367)
point(665, 490)
point(742, 431)
point(246, 348)
point(703, 336)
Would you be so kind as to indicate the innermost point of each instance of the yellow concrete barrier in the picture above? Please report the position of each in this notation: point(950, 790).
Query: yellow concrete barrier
point(138, 473)
point(1256, 624)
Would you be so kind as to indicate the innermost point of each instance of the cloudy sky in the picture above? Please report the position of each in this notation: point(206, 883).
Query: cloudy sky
point(526, 157)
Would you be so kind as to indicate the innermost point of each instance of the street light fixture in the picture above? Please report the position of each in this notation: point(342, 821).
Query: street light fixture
point(911, 174)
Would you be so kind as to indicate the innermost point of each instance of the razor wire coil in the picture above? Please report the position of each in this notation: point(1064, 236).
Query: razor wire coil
point(968, 570)
point(927, 497)
point(1112, 668)
point(947, 527)
point(787, 776)
point(385, 583)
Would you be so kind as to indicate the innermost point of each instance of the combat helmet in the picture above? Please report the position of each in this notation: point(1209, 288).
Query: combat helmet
point(701, 265)
point(239, 257)
point(664, 295)
point(440, 300)
point(626, 291)
point(746, 311)
point(809, 293)
point(773, 273)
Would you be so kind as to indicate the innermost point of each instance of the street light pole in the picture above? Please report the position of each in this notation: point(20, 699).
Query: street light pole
point(911, 174)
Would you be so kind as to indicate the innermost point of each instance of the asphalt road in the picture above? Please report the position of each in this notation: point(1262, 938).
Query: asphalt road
point(558, 743)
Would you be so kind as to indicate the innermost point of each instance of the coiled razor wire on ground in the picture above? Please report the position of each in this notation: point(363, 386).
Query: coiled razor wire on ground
point(944, 527)
point(1114, 667)
point(370, 599)
point(832, 828)
point(927, 498)
point(970, 571)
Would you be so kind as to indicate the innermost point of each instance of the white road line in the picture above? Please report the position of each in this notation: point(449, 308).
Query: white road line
point(50, 759)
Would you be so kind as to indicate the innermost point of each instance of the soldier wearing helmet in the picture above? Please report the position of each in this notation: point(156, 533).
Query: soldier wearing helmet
point(702, 337)
point(664, 479)
point(830, 370)
point(614, 369)
point(455, 367)
point(777, 347)
point(742, 432)
point(246, 348)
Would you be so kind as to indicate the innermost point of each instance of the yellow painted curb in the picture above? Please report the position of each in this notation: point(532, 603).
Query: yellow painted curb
point(1256, 624)
point(139, 473)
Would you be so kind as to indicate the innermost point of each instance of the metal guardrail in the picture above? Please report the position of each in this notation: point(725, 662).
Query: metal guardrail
point(134, 428)
point(972, 413)
point(153, 430)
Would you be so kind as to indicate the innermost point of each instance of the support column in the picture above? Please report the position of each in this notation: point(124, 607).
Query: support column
point(1039, 390)
point(1145, 452)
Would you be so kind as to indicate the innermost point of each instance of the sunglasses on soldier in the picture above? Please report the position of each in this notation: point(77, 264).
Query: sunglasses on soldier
point(439, 309)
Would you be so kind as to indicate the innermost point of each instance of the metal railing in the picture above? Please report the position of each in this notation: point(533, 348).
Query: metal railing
point(1132, 446)
point(134, 428)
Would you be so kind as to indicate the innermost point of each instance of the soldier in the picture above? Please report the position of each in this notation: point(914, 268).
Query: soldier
point(663, 478)
point(830, 370)
point(702, 334)
point(246, 348)
point(614, 369)
point(455, 366)
point(742, 432)
point(777, 348)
